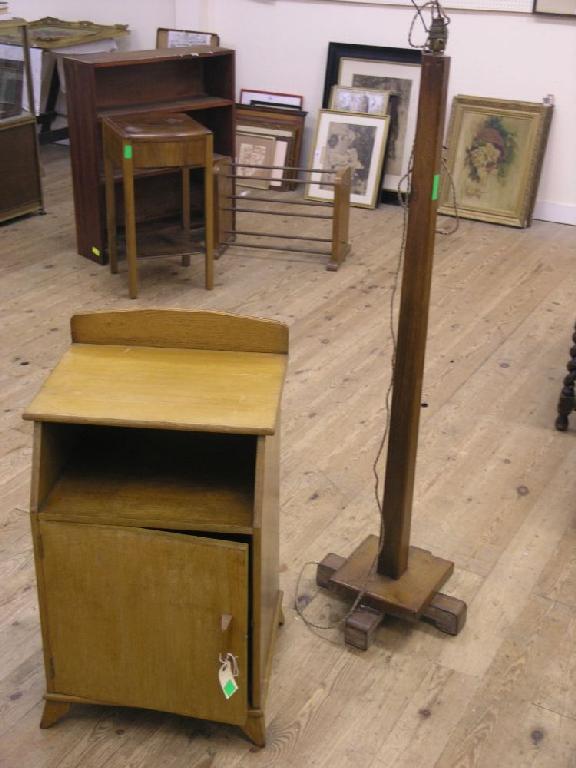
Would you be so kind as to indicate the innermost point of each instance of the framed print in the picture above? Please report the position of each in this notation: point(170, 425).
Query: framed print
point(367, 101)
point(404, 80)
point(349, 140)
point(269, 97)
point(555, 7)
point(373, 53)
point(284, 143)
point(182, 38)
point(254, 150)
point(495, 153)
point(271, 120)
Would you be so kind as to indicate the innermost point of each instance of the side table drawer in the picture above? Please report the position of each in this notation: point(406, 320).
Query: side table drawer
point(166, 154)
point(133, 617)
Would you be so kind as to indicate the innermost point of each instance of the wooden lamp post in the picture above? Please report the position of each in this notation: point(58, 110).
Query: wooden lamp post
point(386, 575)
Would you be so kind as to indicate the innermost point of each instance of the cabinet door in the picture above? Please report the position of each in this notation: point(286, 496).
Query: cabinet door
point(134, 617)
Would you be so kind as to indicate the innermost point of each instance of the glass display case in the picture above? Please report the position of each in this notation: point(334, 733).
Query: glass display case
point(21, 190)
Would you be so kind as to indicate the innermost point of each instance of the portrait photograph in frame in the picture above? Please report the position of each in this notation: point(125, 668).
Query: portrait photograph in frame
point(393, 59)
point(555, 7)
point(495, 153)
point(366, 101)
point(349, 140)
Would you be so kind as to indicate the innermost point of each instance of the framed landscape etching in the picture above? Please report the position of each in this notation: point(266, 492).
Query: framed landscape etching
point(495, 154)
point(384, 69)
point(349, 140)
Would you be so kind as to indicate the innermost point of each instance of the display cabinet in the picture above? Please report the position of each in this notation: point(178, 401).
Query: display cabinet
point(198, 81)
point(154, 513)
point(21, 188)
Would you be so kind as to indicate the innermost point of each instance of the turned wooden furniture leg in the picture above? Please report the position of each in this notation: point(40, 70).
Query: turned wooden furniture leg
point(111, 214)
point(281, 616)
point(209, 212)
point(53, 711)
point(130, 224)
point(567, 401)
point(255, 727)
point(186, 209)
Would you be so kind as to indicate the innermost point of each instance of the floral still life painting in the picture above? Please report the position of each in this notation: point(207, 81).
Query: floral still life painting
point(495, 152)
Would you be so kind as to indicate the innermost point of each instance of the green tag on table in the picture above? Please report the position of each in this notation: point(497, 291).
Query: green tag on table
point(435, 187)
point(230, 688)
point(128, 151)
point(227, 674)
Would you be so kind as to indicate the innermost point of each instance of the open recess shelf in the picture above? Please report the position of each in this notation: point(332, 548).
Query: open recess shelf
point(164, 479)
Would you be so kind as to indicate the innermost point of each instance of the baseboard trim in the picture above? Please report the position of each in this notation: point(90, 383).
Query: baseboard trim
point(557, 212)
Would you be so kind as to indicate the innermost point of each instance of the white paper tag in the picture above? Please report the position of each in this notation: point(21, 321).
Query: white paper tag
point(227, 673)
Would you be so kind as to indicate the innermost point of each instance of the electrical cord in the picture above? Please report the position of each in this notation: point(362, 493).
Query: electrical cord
point(404, 199)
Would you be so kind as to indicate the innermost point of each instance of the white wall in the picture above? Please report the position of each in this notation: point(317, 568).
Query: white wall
point(142, 16)
point(282, 45)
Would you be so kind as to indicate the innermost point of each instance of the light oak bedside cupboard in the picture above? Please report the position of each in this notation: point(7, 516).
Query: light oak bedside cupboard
point(154, 511)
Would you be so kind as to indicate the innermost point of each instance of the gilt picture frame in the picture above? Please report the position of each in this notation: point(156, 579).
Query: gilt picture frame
point(495, 153)
point(347, 139)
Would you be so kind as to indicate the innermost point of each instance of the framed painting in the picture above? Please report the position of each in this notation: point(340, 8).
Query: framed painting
point(495, 154)
point(256, 153)
point(555, 7)
point(366, 101)
point(385, 69)
point(349, 140)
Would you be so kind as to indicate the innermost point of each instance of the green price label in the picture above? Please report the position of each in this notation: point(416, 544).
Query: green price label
point(128, 151)
point(435, 187)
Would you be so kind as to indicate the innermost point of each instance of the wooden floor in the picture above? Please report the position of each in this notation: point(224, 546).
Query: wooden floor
point(496, 493)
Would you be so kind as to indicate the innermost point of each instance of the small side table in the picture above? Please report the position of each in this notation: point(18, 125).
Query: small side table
point(153, 140)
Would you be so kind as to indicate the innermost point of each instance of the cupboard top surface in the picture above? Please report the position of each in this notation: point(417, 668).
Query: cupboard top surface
point(193, 389)
point(121, 58)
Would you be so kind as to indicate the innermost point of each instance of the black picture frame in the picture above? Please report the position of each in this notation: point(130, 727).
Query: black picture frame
point(337, 51)
point(552, 13)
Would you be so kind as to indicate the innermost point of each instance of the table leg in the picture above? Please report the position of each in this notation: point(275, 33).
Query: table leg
point(209, 212)
point(130, 224)
point(111, 214)
point(186, 209)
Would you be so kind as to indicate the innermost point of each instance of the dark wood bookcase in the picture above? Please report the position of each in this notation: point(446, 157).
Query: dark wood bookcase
point(199, 81)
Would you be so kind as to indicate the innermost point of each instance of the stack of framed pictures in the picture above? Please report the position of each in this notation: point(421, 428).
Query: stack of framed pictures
point(268, 136)
point(369, 117)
